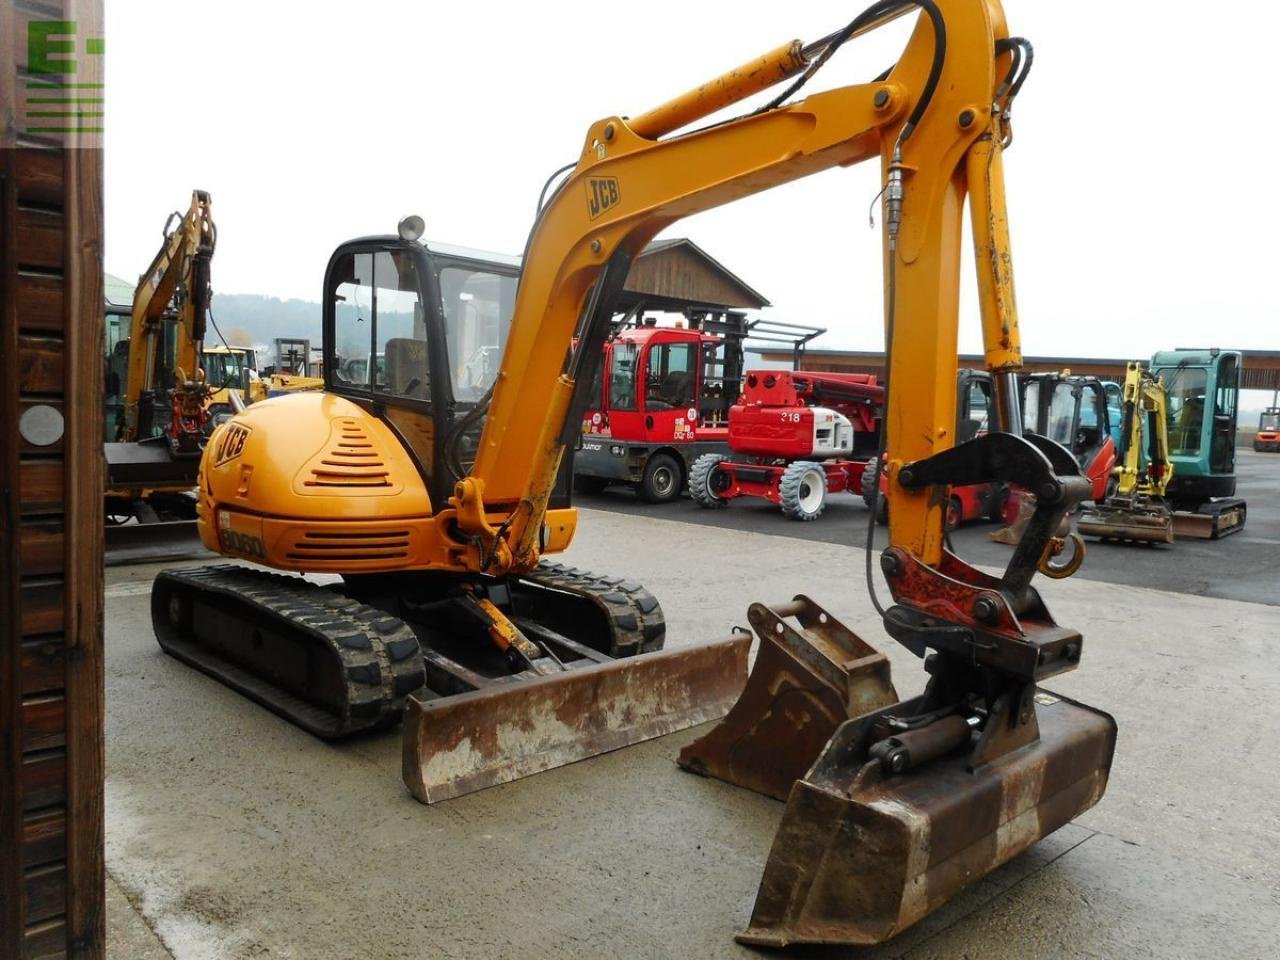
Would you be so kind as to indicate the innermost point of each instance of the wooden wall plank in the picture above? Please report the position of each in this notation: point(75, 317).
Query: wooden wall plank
point(38, 178)
point(46, 892)
point(40, 548)
point(13, 769)
point(44, 779)
point(43, 666)
point(47, 940)
point(38, 239)
point(44, 721)
point(41, 606)
point(40, 364)
point(44, 837)
point(86, 681)
point(40, 488)
point(41, 302)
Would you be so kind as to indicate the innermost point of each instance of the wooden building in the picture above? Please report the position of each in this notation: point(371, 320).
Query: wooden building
point(51, 680)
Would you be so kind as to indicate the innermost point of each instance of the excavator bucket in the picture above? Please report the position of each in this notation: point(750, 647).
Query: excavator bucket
point(804, 684)
point(863, 853)
point(459, 744)
point(1121, 520)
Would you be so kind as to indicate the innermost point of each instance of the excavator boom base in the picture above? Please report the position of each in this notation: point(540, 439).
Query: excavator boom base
point(862, 855)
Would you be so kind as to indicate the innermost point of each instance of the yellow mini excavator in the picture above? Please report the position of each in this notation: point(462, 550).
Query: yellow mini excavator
point(1139, 510)
point(437, 499)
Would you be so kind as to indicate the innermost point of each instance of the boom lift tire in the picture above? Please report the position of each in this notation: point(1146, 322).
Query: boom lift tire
point(871, 476)
point(703, 477)
point(803, 490)
point(662, 479)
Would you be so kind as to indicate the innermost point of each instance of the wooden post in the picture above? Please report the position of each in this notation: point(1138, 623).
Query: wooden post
point(51, 407)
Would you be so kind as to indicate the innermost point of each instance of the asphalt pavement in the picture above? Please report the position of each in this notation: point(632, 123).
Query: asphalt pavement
point(1243, 566)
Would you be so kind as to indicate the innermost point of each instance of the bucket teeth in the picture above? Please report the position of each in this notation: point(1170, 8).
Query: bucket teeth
point(804, 684)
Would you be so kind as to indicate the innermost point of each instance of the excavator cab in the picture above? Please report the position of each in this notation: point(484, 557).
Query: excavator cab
point(413, 330)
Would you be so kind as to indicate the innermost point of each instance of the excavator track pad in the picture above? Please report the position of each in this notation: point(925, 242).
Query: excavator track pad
point(321, 660)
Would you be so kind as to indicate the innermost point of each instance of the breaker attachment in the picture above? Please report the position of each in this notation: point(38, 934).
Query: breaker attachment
point(804, 684)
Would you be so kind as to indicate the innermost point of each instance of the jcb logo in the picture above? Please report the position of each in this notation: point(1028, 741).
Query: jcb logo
point(231, 445)
point(602, 193)
point(244, 544)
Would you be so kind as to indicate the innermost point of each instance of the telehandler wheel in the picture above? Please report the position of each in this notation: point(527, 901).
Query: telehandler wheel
point(803, 490)
point(707, 482)
point(662, 479)
point(870, 477)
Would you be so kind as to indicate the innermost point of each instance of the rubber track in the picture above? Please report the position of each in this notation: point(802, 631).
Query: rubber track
point(380, 655)
point(635, 616)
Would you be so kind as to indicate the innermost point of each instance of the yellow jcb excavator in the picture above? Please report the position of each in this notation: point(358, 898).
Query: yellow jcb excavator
point(1139, 510)
point(437, 500)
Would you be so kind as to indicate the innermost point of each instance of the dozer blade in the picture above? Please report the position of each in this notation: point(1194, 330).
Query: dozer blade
point(861, 854)
point(802, 687)
point(463, 743)
point(1118, 521)
point(1210, 521)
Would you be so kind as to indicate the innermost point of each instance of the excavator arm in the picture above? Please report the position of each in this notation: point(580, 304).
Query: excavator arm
point(1145, 425)
point(177, 276)
point(936, 124)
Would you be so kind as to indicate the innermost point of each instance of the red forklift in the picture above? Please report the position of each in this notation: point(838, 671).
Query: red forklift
point(664, 394)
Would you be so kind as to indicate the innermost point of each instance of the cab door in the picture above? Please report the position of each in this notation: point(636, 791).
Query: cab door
point(670, 375)
point(1222, 440)
point(623, 392)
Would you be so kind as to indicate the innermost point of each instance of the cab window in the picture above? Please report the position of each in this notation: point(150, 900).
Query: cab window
point(1062, 411)
point(622, 377)
point(669, 376)
point(379, 328)
point(478, 306)
point(978, 418)
point(1185, 411)
point(1031, 407)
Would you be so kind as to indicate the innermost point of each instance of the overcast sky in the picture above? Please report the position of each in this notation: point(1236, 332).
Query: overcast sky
point(1140, 183)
